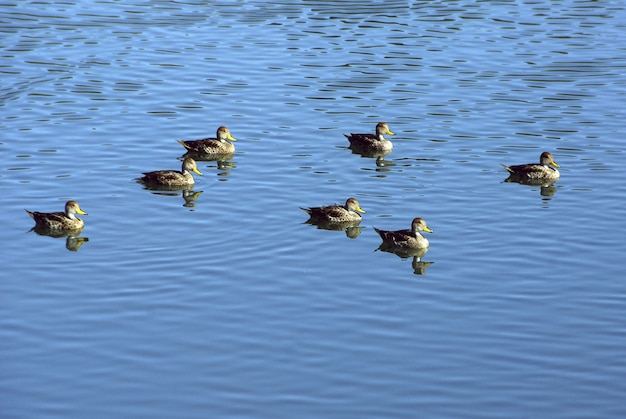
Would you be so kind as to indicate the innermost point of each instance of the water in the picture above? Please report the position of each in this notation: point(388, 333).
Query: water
point(229, 304)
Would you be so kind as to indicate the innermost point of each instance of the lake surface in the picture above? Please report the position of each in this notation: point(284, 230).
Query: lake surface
point(225, 302)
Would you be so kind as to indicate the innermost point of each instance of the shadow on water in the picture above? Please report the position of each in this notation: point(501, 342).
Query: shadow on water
point(189, 196)
point(382, 165)
point(351, 228)
point(72, 241)
point(546, 188)
point(378, 155)
point(223, 160)
point(419, 267)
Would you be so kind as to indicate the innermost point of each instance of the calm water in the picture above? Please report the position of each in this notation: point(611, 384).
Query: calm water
point(229, 304)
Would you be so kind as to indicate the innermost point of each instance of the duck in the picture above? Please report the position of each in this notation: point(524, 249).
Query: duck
point(219, 145)
point(59, 220)
point(406, 239)
point(371, 142)
point(337, 213)
point(172, 178)
point(535, 172)
point(73, 243)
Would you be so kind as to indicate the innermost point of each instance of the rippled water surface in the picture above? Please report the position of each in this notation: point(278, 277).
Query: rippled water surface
point(222, 301)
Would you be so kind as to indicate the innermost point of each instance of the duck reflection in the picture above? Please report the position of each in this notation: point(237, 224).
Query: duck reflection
point(382, 166)
point(72, 241)
point(381, 163)
point(546, 188)
point(223, 160)
point(351, 228)
point(372, 154)
point(222, 163)
point(224, 167)
point(189, 196)
point(419, 267)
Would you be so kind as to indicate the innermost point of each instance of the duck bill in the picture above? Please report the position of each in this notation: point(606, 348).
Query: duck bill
point(196, 171)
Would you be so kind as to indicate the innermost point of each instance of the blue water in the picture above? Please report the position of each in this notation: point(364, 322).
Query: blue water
point(229, 304)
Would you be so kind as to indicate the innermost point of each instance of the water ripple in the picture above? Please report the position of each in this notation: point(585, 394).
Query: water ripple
point(222, 300)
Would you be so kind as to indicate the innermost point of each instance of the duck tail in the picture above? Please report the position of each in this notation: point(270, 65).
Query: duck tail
point(182, 142)
point(32, 214)
point(507, 168)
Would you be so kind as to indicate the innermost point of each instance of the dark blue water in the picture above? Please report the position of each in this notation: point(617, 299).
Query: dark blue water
point(225, 303)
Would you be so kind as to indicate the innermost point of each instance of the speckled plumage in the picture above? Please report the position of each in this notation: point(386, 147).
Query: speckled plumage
point(534, 171)
point(372, 142)
point(172, 178)
point(337, 213)
point(406, 239)
point(59, 220)
point(217, 146)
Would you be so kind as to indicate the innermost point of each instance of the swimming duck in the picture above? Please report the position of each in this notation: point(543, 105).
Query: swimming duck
point(406, 239)
point(337, 213)
point(172, 178)
point(59, 220)
point(371, 142)
point(212, 146)
point(533, 171)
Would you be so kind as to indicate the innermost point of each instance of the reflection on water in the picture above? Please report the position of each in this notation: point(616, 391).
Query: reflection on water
point(72, 241)
point(514, 178)
point(379, 155)
point(351, 228)
point(419, 267)
point(222, 159)
point(101, 83)
point(382, 163)
point(224, 168)
point(189, 196)
point(546, 188)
